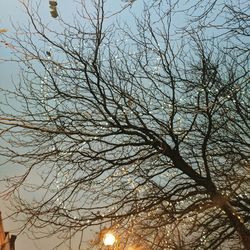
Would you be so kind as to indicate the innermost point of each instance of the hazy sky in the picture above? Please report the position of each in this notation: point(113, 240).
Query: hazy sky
point(11, 11)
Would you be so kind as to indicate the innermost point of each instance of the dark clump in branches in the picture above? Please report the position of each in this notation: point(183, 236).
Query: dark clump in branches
point(140, 126)
point(53, 8)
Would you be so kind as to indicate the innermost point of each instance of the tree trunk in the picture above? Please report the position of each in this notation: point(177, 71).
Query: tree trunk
point(236, 221)
point(219, 200)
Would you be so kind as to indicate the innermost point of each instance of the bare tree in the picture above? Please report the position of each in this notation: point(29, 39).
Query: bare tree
point(131, 126)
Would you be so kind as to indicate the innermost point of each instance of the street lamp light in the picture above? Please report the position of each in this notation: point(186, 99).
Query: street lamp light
point(111, 242)
point(109, 239)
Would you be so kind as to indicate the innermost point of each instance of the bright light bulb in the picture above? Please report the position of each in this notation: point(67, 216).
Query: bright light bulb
point(109, 239)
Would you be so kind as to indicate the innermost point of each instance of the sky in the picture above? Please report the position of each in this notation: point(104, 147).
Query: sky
point(9, 11)
point(12, 12)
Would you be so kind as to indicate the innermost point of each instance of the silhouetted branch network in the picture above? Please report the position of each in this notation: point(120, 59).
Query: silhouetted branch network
point(141, 125)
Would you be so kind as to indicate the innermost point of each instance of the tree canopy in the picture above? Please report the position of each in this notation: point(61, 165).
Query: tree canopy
point(134, 121)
